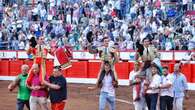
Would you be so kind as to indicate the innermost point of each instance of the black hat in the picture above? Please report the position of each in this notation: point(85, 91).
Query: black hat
point(90, 36)
point(57, 67)
point(140, 48)
point(33, 42)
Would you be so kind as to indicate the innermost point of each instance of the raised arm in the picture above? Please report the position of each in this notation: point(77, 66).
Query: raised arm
point(14, 84)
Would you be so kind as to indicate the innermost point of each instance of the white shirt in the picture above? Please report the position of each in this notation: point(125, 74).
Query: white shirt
point(43, 12)
point(167, 80)
point(154, 27)
point(35, 11)
point(36, 27)
point(103, 24)
point(124, 27)
point(130, 45)
point(105, 10)
point(117, 5)
point(156, 80)
point(185, 2)
point(21, 45)
point(131, 78)
point(58, 2)
point(52, 3)
point(111, 2)
point(39, 7)
point(68, 18)
point(115, 34)
point(132, 10)
point(168, 46)
point(107, 85)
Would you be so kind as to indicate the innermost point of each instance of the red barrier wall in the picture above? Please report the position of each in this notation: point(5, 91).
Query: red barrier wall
point(78, 70)
point(4, 67)
point(171, 67)
point(93, 69)
point(131, 66)
point(15, 67)
point(49, 67)
point(28, 62)
point(186, 71)
point(85, 69)
point(193, 73)
point(122, 69)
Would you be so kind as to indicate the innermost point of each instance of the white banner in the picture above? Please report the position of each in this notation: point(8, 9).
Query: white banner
point(83, 55)
point(166, 55)
point(8, 54)
point(22, 55)
point(127, 56)
point(88, 56)
point(181, 55)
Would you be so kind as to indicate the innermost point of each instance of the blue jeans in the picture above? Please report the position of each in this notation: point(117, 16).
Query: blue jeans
point(151, 100)
point(21, 103)
point(104, 97)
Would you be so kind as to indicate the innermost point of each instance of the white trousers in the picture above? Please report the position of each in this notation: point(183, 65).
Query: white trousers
point(140, 105)
point(178, 103)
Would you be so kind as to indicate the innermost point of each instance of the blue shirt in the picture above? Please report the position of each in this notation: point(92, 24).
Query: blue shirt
point(179, 85)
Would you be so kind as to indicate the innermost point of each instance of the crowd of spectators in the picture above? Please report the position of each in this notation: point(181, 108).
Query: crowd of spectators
point(123, 21)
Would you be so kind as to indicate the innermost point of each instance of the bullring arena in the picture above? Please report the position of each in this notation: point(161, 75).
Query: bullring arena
point(148, 38)
point(81, 75)
point(79, 98)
